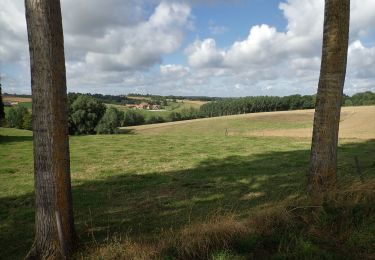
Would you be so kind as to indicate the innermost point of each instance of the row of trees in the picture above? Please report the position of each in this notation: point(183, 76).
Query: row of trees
point(244, 105)
point(360, 99)
point(88, 114)
point(232, 106)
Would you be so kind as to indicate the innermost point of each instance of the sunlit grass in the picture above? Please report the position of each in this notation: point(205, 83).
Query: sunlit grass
point(140, 185)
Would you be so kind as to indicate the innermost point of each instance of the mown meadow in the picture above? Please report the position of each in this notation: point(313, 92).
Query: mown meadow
point(193, 192)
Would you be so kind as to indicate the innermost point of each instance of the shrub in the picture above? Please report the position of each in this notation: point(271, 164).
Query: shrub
point(84, 114)
point(131, 118)
point(174, 116)
point(109, 122)
point(155, 120)
point(19, 117)
point(27, 121)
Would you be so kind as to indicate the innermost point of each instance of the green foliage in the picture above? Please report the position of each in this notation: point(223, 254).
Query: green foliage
point(175, 116)
point(109, 122)
point(232, 106)
point(2, 113)
point(360, 99)
point(131, 118)
point(19, 117)
point(84, 114)
point(155, 120)
point(27, 121)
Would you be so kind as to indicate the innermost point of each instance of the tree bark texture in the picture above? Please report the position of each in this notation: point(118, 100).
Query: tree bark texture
point(323, 158)
point(50, 132)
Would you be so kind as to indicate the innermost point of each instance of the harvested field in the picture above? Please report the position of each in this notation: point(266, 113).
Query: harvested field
point(16, 99)
point(356, 122)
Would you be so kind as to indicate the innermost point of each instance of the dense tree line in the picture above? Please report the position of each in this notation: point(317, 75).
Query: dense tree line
point(232, 106)
point(173, 97)
point(360, 99)
point(89, 115)
point(108, 99)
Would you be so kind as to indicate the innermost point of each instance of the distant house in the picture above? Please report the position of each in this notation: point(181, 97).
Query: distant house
point(144, 105)
point(156, 107)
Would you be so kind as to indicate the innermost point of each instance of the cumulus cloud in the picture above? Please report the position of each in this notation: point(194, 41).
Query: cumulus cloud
point(102, 37)
point(268, 56)
point(12, 31)
point(118, 46)
point(360, 73)
point(140, 45)
point(174, 70)
point(265, 45)
point(204, 54)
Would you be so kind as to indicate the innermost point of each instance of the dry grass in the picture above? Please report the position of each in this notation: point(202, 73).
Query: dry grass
point(356, 122)
point(16, 99)
point(285, 230)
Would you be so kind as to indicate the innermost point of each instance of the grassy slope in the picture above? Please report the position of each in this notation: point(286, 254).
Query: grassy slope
point(141, 185)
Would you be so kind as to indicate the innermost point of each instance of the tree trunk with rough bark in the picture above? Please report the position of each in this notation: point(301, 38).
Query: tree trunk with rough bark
point(55, 235)
point(323, 158)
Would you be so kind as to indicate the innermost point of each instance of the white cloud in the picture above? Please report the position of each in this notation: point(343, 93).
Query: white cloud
point(103, 39)
point(290, 59)
point(12, 31)
point(362, 17)
point(141, 45)
point(118, 46)
point(204, 54)
point(173, 70)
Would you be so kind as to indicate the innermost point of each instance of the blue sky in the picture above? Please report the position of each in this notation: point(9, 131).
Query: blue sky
point(199, 47)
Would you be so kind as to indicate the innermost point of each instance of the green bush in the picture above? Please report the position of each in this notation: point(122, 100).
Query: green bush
point(19, 117)
point(84, 114)
point(109, 122)
point(131, 118)
point(155, 120)
point(27, 121)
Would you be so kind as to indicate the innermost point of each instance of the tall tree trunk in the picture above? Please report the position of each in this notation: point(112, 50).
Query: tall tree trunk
point(323, 159)
point(55, 235)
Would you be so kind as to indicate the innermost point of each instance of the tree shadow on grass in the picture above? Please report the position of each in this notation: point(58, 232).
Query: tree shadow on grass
point(145, 205)
point(11, 139)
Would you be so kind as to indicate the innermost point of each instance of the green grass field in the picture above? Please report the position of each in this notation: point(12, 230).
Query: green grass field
point(140, 186)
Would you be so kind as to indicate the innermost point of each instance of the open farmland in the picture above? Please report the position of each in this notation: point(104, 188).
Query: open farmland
point(171, 177)
point(17, 99)
point(355, 123)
